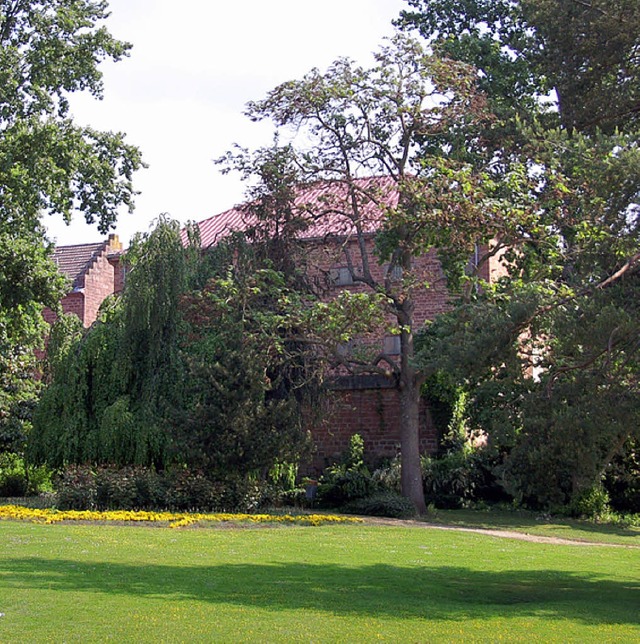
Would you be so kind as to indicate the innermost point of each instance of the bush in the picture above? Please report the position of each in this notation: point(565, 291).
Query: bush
point(188, 490)
point(592, 503)
point(18, 479)
point(13, 484)
point(449, 481)
point(336, 489)
point(129, 488)
point(382, 504)
point(76, 488)
point(348, 480)
point(39, 480)
point(137, 488)
point(622, 479)
point(387, 476)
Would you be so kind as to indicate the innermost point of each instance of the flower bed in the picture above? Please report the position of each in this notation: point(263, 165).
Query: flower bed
point(172, 519)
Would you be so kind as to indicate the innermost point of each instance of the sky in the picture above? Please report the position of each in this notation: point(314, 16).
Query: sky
point(180, 95)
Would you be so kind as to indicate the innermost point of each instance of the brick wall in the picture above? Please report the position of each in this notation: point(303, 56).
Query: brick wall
point(119, 271)
point(98, 285)
point(103, 276)
point(372, 411)
point(374, 414)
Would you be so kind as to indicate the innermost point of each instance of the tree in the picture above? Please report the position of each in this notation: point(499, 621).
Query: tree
point(587, 52)
point(195, 366)
point(551, 355)
point(353, 124)
point(49, 165)
point(110, 389)
point(246, 376)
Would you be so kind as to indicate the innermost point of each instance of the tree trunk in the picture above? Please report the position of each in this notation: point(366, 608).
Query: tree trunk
point(411, 470)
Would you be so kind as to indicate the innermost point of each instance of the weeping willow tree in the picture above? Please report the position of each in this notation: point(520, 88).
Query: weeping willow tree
point(195, 365)
point(109, 388)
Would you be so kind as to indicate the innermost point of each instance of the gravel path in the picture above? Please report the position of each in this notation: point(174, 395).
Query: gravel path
point(504, 534)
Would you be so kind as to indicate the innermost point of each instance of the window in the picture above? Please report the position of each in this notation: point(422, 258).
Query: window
point(341, 276)
point(392, 345)
point(396, 272)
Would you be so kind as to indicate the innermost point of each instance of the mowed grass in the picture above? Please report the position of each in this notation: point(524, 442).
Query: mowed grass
point(352, 583)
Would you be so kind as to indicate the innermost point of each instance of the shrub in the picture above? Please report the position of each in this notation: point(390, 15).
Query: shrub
point(13, 484)
point(19, 479)
point(387, 476)
point(76, 488)
point(126, 489)
point(449, 481)
point(187, 490)
point(622, 479)
point(39, 480)
point(296, 498)
point(348, 480)
point(592, 503)
point(382, 504)
point(337, 489)
point(180, 489)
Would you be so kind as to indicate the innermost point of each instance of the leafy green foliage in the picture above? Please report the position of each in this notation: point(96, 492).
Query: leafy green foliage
point(246, 374)
point(48, 166)
point(382, 504)
point(622, 479)
point(585, 51)
point(19, 479)
point(182, 373)
point(348, 480)
point(111, 386)
point(549, 356)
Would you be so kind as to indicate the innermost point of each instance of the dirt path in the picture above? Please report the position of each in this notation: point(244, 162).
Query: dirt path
point(504, 534)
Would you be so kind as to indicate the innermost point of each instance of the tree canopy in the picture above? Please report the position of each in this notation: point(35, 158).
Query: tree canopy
point(586, 52)
point(49, 166)
point(551, 353)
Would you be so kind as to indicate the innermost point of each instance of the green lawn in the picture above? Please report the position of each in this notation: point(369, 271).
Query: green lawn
point(353, 583)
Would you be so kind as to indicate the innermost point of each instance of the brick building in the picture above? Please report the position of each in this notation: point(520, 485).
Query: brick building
point(332, 229)
point(94, 272)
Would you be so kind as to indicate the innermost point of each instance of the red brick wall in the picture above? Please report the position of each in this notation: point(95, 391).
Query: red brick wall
point(98, 284)
point(118, 273)
point(102, 278)
point(372, 413)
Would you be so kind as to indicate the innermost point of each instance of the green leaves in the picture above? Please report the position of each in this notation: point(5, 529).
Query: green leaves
point(48, 165)
point(585, 51)
point(49, 48)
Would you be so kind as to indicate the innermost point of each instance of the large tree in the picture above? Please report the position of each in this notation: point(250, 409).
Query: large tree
point(552, 354)
point(49, 166)
point(586, 52)
point(351, 123)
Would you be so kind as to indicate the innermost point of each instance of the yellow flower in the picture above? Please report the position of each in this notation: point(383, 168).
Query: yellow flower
point(173, 519)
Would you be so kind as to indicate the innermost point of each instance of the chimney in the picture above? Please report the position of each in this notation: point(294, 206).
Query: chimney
point(114, 242)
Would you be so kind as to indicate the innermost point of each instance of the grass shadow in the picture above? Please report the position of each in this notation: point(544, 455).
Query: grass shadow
point(434, 593)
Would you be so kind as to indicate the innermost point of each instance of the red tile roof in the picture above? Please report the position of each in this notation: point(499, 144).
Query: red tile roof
point(325, 207)
point(74, 261)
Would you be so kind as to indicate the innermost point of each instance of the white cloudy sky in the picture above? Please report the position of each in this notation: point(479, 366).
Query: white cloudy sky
point(194, 65)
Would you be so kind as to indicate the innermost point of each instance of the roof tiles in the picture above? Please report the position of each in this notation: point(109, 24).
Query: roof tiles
point(74, 261)
point(327, 209)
